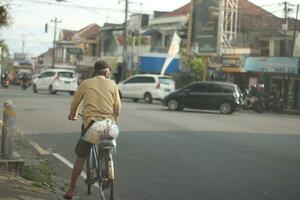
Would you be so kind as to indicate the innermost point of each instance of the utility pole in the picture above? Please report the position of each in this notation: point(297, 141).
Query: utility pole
point(190, 28)
point(55, 21)
point(23, 44)
point(286, 11)
point(295, 30)
point(285, 28)
point(125, 35)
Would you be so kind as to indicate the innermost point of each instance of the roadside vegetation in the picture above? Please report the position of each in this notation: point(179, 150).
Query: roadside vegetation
point(41, 175)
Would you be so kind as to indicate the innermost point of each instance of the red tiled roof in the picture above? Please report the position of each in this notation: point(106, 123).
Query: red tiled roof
point(251, 16)
point(183, 10)
point(67, 34)
point(89, 32)
point(247, 8)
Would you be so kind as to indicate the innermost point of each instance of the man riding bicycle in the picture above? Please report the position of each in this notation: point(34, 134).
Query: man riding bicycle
point(101, 100)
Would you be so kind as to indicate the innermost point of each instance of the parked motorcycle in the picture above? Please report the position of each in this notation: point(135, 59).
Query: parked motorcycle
point(274, 104)
point(255, 103)
point(260, 103)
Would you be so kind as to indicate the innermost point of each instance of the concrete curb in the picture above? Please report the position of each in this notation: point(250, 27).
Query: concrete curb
point(35, 145)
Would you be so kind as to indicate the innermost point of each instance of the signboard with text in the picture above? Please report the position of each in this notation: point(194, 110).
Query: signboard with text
point(272, 64)
point(205, 27)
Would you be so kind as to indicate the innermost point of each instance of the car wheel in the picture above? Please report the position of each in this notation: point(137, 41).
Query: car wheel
point(72, 93)
point(34, 89)
point(173, 105)
point(225, 108)
point(135, 100)
point(148, 98)
point(51, 91)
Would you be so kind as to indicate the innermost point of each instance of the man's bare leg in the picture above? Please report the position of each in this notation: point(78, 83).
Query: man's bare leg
point(77, 169)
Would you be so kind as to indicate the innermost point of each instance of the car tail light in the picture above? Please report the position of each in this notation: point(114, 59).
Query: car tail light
point(158, 85)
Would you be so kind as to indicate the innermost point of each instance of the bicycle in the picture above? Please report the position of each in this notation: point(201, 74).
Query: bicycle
point(100, 168)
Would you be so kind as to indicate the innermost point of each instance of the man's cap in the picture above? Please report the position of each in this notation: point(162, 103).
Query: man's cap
point(100, 65)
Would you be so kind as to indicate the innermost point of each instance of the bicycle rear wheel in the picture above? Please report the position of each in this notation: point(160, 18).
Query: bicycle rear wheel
point(107, 173)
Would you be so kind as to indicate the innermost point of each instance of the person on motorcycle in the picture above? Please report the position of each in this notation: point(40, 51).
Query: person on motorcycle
point(5, 79)
point(24, 79)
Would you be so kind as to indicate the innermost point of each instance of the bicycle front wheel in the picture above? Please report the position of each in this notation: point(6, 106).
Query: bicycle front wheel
point(89, 175)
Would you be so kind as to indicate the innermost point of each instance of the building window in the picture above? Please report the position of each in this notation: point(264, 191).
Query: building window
point(265, 48)
point(94, 50)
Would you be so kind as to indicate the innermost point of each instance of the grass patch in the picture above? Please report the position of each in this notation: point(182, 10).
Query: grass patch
point(41, 175)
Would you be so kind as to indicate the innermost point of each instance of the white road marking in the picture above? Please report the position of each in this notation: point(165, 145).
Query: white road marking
point(69, 164)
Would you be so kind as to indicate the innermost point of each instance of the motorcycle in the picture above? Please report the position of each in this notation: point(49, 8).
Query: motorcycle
point(275, 105)
point(5, 82)
point(254, 103)
point(25, 85)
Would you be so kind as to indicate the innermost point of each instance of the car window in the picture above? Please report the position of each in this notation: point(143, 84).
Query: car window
point(47, 74)
point(132, 80)
point(42, 75)
point(199, 87)
point(140, 79)
point(165, 80)
point(66, 74)
point(228, 88)
point(145, 79)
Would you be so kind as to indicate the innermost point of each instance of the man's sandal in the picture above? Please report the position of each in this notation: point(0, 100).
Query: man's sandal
point(68, 195)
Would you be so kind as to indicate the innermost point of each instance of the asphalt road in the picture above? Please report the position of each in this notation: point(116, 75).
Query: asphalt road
point(189, 155)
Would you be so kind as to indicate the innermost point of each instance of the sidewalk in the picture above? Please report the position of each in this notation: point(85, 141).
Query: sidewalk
point(43, 184)
point(292, 112)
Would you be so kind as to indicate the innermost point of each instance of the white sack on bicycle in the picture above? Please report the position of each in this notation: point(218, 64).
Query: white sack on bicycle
point(101, 130)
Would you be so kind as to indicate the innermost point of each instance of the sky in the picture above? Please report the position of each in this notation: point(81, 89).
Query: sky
point(30, 16)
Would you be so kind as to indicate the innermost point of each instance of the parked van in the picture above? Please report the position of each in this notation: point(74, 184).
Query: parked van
point(212, 95)
point(148, 87)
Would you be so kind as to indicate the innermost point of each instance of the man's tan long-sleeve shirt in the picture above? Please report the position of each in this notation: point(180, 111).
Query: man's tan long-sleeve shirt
point(100, 97)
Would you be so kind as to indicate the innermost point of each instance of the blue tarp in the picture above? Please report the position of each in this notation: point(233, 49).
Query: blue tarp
point(154, 64)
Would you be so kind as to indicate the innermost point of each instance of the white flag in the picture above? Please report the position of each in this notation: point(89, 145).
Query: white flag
point(173, 51)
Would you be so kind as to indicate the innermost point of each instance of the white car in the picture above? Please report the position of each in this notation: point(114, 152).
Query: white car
point(55, 80)
point(147, 87)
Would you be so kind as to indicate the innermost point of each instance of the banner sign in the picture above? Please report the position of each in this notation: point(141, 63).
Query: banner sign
point(272, 64)
point(205, 27)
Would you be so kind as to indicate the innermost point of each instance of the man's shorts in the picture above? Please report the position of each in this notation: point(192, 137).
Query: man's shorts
point(83, 148)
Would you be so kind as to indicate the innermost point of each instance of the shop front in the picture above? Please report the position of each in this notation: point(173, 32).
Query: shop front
point(279, 72)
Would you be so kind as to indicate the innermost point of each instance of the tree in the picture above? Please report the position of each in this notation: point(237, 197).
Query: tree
point(196, 64)
point(5, 53)
point(191, 70)
point(4, 15)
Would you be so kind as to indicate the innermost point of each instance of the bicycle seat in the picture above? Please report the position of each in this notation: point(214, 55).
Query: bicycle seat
point(108, 143)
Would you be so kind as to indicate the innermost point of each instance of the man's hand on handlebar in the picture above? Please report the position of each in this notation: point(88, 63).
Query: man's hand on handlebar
point(71, 118)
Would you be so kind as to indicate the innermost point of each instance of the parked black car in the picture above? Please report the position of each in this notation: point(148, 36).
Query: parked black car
point(225, 97)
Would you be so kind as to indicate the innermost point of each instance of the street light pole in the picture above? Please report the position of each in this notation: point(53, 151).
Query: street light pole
point(55, 21)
